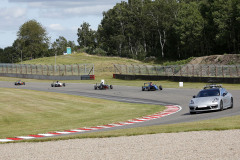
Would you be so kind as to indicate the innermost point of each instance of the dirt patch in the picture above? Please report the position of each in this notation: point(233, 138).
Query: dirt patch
point(229, 59)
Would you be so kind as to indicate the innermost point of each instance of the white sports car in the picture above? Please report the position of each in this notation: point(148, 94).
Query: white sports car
point(212, 97)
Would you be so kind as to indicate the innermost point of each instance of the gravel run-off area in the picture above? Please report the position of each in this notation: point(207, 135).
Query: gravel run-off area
point(200, 145)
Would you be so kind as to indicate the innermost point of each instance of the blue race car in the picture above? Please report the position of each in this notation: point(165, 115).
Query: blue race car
point(151, 87)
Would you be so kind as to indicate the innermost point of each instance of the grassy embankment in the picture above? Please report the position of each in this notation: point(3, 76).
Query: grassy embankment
point(20, 114)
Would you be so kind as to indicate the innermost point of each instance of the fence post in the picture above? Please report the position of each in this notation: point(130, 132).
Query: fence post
point(59, 70)
point(26, 68)
point(65, 69)
point(193, 72)
point(237, 71)
point(155, 67)
point(222, 72)
point(215, 70)
point(133, 69)
point(208, 71)
point(72, 69)
point(78, 70)
point(147, 69)
point(200, 70)
point(47, 70)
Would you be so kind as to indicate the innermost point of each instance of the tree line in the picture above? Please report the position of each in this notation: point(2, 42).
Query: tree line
point(165, 29)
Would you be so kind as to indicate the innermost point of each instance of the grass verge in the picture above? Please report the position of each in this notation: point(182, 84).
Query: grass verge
point(227, 123)
point(25, 112)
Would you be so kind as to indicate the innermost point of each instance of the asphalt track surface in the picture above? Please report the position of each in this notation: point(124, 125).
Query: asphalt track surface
point(168, 96)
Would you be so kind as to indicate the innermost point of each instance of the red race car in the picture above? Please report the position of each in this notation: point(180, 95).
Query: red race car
point(102, 86)
point(19, 83)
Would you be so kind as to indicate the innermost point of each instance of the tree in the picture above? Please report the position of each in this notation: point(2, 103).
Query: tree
point(60, 45)
point(32, 40)
point(86, 36)
point(189, 27)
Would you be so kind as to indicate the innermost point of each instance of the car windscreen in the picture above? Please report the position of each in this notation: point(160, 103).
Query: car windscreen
point(209, 93)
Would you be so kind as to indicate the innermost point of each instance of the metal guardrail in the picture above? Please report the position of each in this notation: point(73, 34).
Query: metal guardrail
point(180, 70)
point(51, 70)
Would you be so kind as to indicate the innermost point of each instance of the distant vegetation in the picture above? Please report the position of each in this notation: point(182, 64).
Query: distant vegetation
point(160, 29)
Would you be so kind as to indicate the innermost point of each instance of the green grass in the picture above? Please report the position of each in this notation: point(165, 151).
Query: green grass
point(24, 112)
point(227, 123)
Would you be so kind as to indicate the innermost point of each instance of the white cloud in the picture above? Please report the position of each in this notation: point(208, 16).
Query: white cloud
point(12, 18)
point(56, 27)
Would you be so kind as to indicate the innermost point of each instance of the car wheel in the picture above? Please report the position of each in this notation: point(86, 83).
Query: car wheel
point(231, 106)
point(221, 105)
point(111, 87)
point(23, 83)
point(95, 87)
point(143, 89)
point(64, 85)
point(160, 87)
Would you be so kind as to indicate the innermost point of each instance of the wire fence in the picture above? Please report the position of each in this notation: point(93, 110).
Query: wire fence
point(51, 70)
point(180, 70)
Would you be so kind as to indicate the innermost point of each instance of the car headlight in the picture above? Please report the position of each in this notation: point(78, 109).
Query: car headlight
point(191, 102)
point(215, 100)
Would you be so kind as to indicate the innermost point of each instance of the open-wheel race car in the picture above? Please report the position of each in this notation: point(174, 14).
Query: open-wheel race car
point(58, 84)
point(151, 87)
point(19, 82)
point(102, 86)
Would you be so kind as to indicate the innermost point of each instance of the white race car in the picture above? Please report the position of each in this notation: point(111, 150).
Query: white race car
point(58, 84)
point(212, 97)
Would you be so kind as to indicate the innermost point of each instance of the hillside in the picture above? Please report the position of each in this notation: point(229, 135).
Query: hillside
point(103, 65)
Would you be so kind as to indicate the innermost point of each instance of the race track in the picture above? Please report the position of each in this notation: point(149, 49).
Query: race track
point(168, 96)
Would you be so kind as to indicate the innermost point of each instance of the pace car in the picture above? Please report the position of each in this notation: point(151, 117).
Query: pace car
point(58, 84)
point(212, 97)
point(102, 86)
point(19, 82)
point(151, 87)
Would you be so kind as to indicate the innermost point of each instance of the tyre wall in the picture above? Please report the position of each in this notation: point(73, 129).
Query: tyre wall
point(178, 78)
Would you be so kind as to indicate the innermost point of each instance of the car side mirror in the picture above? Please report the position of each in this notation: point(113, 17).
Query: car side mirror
point(194, 96)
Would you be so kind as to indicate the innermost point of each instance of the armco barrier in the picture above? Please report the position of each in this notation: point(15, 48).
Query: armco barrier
point(232, 80)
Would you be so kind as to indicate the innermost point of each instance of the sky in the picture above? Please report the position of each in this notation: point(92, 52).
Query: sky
point(58, 17)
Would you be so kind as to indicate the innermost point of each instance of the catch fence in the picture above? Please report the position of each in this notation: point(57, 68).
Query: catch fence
point(49, 70)
point(180, 70)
